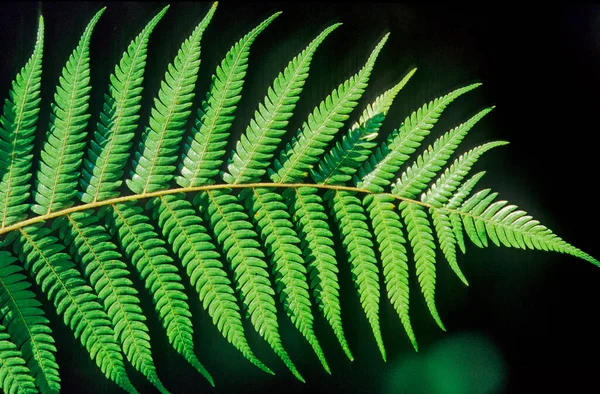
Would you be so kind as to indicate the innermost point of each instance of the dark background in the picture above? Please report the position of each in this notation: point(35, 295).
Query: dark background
point(527, 322)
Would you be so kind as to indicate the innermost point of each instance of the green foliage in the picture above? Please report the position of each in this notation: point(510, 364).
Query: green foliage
point(24, 319)
point(14, 375)
point(258, 242)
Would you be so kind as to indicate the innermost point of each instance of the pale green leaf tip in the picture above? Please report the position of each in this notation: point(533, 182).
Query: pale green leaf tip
point(267, 22)
point(415, 345)
point(381, 349)
point(384, 40)
point(263, 367)
point(347, 351)
point(206, 374)
point(440, 324)
point(298, 376)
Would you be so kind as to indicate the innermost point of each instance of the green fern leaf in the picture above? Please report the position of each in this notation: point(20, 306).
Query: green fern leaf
point(270, 215)
point(505, 224)
point(317, 249)
point(90, 244)
point(17, 127)
point(147, 252)
point(22, 315)
point(102, 170)
point(387, 159)
point(63, 149)
point(236, 236)
point(25, 321)
point(356, 238)
point(255, 148)
point(204, 151)
point(338, 166)
point(52, 270)
point(14, 374)
point(387, 227)
point(416, 178)
point(299, 156)
point(421, 240)
point(155, 156)
point(235, 225)
point(190, 240)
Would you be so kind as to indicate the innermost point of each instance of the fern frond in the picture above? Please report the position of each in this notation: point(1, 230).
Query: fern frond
point(236, 236)
point(421, 240)
point(102, 170)
point(17, 127)
point(53, 271)
point(254, 150)
point(356, 238)
point(386, 160)
point(91, 246)
point(317, 249)
point(204, 150)
point(338, 166)
point(387, 227)
point(28, 326)
point(15, 377)
point(269, 213)
point(147, 252)
point(61, 155)
point(191, 242)
point(155, 156)
point(416, 178)
point(210, 227)
point(299, 156)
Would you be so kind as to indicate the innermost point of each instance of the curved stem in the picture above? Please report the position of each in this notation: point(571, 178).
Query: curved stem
point(135, 197)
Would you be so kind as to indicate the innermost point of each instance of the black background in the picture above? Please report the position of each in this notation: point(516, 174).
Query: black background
point(539, 66)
